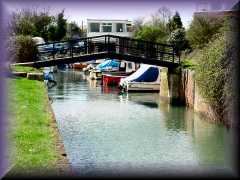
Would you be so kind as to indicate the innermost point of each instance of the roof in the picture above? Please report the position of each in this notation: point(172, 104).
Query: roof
point(109, 20)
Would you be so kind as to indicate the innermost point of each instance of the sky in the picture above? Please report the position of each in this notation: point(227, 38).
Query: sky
point(80, 10)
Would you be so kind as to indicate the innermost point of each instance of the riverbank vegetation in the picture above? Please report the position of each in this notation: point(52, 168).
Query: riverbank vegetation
point(27, 69)
point(31, 127)
point(28, 23)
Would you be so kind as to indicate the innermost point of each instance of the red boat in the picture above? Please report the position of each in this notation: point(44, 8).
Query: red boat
point(113, 78)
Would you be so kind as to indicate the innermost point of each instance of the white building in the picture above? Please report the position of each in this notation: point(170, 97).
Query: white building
point(98, 27)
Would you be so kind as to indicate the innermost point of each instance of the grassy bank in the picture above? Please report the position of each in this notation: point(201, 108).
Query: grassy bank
point(19, 68)
point(31, 121)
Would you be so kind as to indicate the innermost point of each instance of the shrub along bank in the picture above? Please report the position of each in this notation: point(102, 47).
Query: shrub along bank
point(213, 64)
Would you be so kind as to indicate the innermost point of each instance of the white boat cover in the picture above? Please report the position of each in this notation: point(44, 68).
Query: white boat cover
point(146, 73)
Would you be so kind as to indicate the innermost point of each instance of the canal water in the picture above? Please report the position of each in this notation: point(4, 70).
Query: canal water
point(105, 131)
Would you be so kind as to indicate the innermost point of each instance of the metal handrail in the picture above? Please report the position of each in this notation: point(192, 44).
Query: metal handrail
point(130, 45)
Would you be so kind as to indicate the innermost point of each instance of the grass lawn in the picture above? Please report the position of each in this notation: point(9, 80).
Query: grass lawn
point(19, 68)
point(31, 130)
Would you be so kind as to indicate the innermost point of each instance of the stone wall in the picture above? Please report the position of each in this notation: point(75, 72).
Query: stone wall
point(181, 86)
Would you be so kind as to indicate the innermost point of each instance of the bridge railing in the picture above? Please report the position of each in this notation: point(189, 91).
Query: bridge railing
point(107, 44)
point(70, 48)
point(145, 49)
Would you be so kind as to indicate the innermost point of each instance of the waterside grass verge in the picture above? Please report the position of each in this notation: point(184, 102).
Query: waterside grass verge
point(32, 130)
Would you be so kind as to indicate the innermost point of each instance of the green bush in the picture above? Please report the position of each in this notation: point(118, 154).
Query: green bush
point(22, 49)
point(151, 33)
point(177, 38)
point(210, 72)
point(202, 29)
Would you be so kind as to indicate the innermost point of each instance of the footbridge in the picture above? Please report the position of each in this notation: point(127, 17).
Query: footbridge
point(106, 46)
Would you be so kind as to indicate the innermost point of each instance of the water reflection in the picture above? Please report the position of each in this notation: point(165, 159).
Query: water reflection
point(103, 129)
point(149, 99)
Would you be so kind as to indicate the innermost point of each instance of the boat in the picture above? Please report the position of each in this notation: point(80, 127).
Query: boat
point(48, 77)
point(113, 78)
point(95, 74)
point(89, 67)
point(109, 65)
point(79, 65)
point(146, 78)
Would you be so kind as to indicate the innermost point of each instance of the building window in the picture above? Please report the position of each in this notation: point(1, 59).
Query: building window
point(130, 65)
point(129, 28)
point(94, 27)
point(107, 27)
point(119, 27)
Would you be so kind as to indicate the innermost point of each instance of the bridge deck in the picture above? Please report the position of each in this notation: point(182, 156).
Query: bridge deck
point(108, 46)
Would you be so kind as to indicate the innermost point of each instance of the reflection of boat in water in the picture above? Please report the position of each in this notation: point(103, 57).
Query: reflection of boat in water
point(93, 83)
point(146, 78)
point(147, 99)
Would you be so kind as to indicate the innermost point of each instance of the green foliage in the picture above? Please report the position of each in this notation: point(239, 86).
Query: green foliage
point(175, 22)
point(19, 68)
point(41, 24)
point(156, 29)
point(61, 26)
point(22, 49)
point(202, 29)
point(52, 33)
point(178, 39)
point(151, 33)
point(73, 31)
point(30, 22)
point(187, 63)
point(210, 72)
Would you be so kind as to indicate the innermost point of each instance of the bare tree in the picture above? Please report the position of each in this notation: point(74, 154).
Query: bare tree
point(138, 23)
point(164, 14)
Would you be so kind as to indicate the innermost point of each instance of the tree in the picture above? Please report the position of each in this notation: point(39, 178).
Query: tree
point(175, 22)
point(151, 33)
point(52, 32)
point(73, 31)
point(41, 22)
point(21, 48)
point(178, 39)
point(202, 29)
point(61, 26)
point(155, 30)
point(30, 22)
point(138, 24)
point(164, 14)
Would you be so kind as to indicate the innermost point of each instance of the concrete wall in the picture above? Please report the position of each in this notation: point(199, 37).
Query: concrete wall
point(180, 87)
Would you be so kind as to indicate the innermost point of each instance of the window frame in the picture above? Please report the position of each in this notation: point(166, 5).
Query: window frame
point(122, 27)
point(107, 25)
point(129, 25)
point(91, 27)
